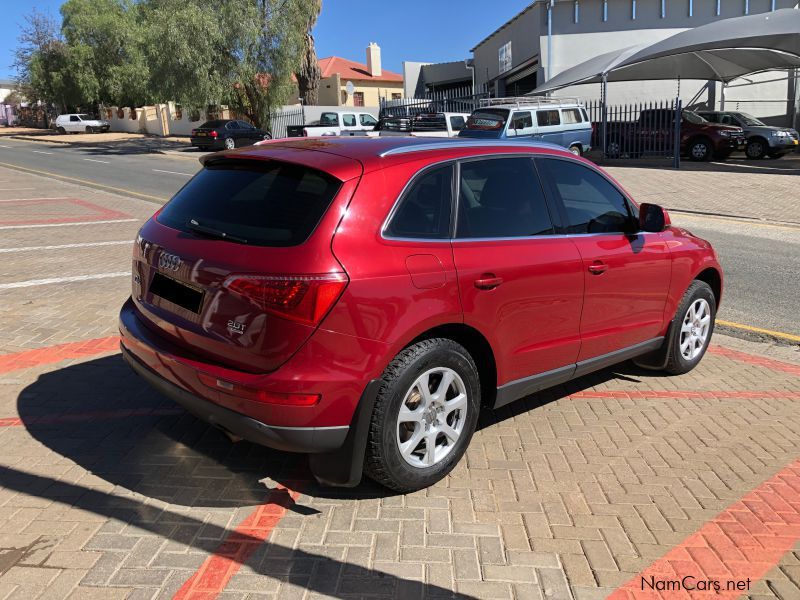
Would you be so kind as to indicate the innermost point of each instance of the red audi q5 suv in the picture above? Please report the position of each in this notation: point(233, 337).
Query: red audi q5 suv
point(360, 299)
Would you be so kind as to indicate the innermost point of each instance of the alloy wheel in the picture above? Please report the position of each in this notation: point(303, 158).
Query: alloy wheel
point(755, 150)
point(230, 143)
point(431, 417)
point(695, 328)
point(699, 150)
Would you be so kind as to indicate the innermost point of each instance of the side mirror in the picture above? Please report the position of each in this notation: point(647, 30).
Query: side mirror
point(652, 218)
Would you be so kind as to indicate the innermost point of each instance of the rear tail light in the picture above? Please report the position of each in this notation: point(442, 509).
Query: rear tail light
point(259, 395)
point(213, 134)
point(302, 298)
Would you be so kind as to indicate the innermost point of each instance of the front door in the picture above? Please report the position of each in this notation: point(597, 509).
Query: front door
point(520, 285)
point(626, 275)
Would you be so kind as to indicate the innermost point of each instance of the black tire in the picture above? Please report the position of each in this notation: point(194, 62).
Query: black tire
point(756, 149)
point(268, 136)
point(677, 364)
point(89, 129)
point(383, 461)
point(613, 149)
point(61, 130)
point(700, 150)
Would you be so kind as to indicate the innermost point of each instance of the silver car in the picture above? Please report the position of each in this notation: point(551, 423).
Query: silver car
point(762, 139)
point(80, 123)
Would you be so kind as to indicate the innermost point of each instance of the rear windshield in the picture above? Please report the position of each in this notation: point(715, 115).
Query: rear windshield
point(213, 124)
point(488, 119)
point(263, 204)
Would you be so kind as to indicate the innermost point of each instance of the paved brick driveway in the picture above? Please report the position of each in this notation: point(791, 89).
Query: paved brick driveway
point(108, 490)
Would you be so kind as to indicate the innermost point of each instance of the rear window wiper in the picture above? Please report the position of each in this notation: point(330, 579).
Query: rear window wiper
point(216, 233)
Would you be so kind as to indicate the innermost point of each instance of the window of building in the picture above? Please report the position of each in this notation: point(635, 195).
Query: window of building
point(504, 57)
point(424, 211)
point(358, 98)
point(591, 202)
point(546, 118)
point(500, 198)
point(349, 120)
point(396, 96)
point(571, 115)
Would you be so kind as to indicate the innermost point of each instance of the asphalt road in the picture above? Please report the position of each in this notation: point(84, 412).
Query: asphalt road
point(761, 261)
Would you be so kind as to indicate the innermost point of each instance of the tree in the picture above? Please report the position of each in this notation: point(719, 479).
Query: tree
point(242, 53)
point(105, 39)
point(309, 75)
point(42, 61)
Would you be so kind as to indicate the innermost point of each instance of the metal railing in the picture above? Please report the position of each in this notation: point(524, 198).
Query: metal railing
point(281, 119)
point(460, 99)
point(528, 101)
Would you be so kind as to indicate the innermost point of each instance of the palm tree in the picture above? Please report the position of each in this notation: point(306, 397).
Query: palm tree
point(309, 74)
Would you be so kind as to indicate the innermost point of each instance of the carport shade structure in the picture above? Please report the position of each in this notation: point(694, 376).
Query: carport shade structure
point(720, 51)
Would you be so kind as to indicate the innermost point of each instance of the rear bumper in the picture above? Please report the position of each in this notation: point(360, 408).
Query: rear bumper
point(206, 142)
point(290, 439)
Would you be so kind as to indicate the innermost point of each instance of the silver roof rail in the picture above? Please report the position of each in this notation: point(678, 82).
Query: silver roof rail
point(528, 101)
point(447, 144)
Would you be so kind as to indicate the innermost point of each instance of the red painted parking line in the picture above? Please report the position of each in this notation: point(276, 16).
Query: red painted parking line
point(96, 212)
point(735, 549)
point(752, 359)
point(53, 354)
point(676, 394)
point(214, 574)
point(100, 415)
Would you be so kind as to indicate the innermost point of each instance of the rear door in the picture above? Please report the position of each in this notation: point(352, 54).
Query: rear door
point(520, 284)
point(548, 126)
point(626, 275)
point(521, 124)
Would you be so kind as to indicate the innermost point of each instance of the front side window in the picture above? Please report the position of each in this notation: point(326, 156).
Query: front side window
point(424, 211)
point(329, 119)
point(521, 120)
point(349, 120)
point(501, 198)
point(571, 115)
point(74, 119)
point(591, 202)
point(245, 125)
point(546, 118)
point(367, 120)
point(457, 123)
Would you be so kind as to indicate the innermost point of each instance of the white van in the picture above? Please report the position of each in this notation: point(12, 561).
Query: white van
point(80, 123)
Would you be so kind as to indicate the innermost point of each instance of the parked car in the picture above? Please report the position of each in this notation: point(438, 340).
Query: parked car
point(560, 121)
point(335, 123)
point(226, 133)
point(322, 297)
point(442, 124)
point(80, 123)
point(654, 131)
point(762, 139)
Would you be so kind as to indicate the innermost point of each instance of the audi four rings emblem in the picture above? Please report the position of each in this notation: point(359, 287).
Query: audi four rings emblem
point(169, 261)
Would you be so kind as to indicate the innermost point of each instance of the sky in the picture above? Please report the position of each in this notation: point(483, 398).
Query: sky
point(415, 30)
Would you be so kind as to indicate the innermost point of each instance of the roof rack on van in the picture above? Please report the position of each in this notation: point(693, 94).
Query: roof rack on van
point(528, 101)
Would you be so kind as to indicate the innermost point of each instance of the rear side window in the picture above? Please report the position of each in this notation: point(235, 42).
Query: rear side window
point(349, 120)
point(424, 211)
point(501, 198)
point(269, 204)
point(571, 115)
point(546, 118)
point(591, 202)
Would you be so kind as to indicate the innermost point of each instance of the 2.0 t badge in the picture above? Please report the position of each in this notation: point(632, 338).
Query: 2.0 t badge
point(169, 261)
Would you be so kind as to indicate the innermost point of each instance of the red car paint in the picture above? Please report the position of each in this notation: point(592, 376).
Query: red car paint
point(563, 298)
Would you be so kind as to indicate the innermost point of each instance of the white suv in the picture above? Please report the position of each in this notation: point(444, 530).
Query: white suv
point(79, 123)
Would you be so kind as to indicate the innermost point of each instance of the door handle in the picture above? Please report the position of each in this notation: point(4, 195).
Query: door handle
point(488, 282)
point(598, 267)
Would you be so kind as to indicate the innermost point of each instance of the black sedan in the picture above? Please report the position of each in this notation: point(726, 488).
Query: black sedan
point(226, 133)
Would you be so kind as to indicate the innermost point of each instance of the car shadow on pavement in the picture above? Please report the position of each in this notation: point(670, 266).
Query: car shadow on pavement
point(788, 165)
point(314, 572)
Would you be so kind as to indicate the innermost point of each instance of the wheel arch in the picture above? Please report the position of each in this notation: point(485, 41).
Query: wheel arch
point(479, 348)
point(713, 278)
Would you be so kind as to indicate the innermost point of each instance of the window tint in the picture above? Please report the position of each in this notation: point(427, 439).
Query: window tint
point(547, 117)
point(457, 123)
point(74, 118)
point(245, 125)
point(571, 115)
point(592, 203)
point(349, 120)
point(501, 198)
point(521, 120)
point(232, 125)
point(329, 119)
point(424, 211)
point(367, 119)
point(269, 204)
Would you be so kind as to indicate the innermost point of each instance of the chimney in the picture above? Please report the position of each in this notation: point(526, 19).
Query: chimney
point(374, 59)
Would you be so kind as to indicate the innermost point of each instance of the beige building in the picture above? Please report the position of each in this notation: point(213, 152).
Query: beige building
point(348, 83)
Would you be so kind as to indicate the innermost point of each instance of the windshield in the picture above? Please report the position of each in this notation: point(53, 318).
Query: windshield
point(693, 117)
point(263, 204)
point(750, 120)
point(487, 119)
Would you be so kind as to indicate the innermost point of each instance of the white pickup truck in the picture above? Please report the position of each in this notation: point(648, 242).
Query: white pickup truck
point(335, 123)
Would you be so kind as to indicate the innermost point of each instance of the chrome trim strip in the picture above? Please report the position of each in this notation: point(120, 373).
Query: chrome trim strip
point(447, 144)
point(329, 428)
